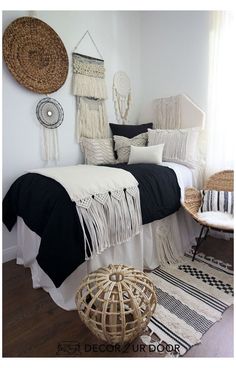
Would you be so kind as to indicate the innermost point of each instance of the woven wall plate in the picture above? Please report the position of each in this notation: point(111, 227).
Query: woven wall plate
point(49, 113)
point(35, 55)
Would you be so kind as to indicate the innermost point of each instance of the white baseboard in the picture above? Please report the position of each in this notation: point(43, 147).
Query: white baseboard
point(8, 254)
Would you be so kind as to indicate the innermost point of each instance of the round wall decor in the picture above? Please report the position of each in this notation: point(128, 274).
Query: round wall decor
point(35, 55)
point(49, 113)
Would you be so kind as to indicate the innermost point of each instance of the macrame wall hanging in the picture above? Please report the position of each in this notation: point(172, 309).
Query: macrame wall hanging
point(121, 96)
point(89, 87)
point(50, 114)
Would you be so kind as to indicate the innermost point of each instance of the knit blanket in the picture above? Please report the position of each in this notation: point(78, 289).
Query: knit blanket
point(107, 201)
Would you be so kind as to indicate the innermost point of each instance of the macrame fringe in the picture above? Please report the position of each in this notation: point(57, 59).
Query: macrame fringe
point(91, 119)
point(50, 147)
point(84, 85)
point(165, 242)
point(109, 219)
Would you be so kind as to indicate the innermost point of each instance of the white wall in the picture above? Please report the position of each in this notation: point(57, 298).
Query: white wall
point(164, 53)
point(117, 36)
point(174, 56)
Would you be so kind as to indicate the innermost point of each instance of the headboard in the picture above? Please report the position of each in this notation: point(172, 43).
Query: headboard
point(173, 112)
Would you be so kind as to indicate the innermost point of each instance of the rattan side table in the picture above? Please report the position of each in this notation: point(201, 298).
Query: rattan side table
point(116, 303)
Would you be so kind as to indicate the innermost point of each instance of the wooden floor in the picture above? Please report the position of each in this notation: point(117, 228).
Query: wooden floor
point(34, 326)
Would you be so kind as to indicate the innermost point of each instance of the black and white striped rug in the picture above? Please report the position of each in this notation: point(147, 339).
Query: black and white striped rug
point(192, 296)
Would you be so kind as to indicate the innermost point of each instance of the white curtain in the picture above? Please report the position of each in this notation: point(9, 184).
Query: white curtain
point(221, 117)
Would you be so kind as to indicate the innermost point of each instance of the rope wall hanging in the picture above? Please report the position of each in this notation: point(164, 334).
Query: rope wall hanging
point(89, 87)
point(37, 58)
point(121, 96)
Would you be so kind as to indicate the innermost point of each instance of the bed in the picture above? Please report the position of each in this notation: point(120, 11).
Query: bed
point(48, 243)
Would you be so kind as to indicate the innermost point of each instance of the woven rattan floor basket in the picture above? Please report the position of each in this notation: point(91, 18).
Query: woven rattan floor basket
point(116, 303)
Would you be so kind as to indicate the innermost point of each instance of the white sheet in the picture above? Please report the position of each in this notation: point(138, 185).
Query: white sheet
point(141, 251)
point(184, 176)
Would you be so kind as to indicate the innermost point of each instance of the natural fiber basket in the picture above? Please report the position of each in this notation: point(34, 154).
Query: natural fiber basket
point(116, 303)
point(35, 55)
point(220, 181)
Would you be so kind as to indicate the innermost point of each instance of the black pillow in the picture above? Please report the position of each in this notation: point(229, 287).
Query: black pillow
point(129, 131)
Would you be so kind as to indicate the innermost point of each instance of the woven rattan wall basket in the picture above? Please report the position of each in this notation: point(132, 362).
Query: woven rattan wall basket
point(116, 303)
point(35, 55)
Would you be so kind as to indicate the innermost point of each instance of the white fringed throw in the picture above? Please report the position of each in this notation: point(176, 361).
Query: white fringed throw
point(107, 202)
point(90, 90)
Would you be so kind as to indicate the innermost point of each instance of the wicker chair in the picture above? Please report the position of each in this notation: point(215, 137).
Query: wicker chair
point(221, 181)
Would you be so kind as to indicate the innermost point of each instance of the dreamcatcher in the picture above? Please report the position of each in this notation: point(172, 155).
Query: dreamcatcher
point(121, 96)
point(50, 114)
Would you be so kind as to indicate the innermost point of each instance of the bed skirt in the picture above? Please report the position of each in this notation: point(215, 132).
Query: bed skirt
point(143, 251)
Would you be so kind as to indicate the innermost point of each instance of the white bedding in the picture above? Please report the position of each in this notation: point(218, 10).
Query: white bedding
point(184, 176)
point(142, 251)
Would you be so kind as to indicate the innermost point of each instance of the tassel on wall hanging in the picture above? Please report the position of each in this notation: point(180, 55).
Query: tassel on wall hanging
point(89, 87)
point(121, 96)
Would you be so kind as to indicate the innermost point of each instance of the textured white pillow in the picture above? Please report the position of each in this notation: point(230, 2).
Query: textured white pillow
point(98, 151)
point(146, 155)
point(180, 144)
point(123, 144)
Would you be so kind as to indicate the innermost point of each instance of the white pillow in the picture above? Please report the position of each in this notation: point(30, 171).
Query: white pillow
point(180, 144)
point(98, 151)
point(146, 155)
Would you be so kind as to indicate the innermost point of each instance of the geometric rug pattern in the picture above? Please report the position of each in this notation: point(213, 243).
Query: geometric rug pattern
point(191, 297)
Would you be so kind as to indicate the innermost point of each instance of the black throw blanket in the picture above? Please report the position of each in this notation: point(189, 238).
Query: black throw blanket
point(47, 209)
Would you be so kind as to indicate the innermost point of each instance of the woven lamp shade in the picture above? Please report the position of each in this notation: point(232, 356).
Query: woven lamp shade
point(116, 303)
point(35, 55)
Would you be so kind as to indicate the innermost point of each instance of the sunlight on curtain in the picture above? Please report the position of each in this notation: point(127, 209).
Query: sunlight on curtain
point(221, 118)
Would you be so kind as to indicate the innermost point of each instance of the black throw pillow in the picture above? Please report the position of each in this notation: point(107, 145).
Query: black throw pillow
point(129, 131)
